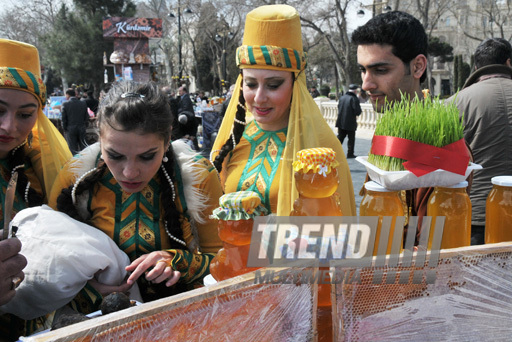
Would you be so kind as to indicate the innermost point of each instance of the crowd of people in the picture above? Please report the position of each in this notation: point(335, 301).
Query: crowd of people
point(144, 185)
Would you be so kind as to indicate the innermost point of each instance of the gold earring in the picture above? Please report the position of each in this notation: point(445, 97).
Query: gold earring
point(29, 139)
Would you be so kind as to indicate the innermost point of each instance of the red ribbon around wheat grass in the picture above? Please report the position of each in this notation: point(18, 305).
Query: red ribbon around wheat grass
point(422, 158)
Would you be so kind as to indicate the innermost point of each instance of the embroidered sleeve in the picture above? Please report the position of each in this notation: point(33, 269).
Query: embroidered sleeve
point(193, 267)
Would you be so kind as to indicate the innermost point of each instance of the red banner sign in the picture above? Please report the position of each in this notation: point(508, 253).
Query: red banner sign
point(117, 27)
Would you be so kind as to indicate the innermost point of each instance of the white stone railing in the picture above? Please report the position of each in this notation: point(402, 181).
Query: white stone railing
point(367, 120)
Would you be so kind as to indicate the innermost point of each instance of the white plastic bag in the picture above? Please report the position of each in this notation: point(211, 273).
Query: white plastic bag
point(62, 254)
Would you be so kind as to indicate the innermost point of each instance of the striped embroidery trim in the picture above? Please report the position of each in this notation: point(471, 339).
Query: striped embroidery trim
point(271, 56)
point(19, 78)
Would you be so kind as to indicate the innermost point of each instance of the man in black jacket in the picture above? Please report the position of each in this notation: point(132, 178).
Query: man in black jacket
point(485, 105)
point(74, 121)
point(91, 102)
point(185, 126)
point(348, 110)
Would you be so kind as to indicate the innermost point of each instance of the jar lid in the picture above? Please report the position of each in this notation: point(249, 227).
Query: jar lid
point(240, 205)
point(320, 159)
point(502, 180)
point(463, 184)
point(374, 186)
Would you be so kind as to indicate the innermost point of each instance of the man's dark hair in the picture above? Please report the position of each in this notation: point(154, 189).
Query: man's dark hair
point(401, 30)
point(493, 51)
point(71, 92)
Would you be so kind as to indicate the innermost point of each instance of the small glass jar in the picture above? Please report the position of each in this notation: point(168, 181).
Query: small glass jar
point(498, 210)
point(380, 201)
point(316, 180)
point(454, 204)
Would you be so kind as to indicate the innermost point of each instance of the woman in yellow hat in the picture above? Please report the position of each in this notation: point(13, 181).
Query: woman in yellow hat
point(274, 116)
point(30, 145)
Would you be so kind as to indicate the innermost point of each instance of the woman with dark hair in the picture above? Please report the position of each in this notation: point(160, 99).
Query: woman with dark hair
point(272, 115)
point(151, 196)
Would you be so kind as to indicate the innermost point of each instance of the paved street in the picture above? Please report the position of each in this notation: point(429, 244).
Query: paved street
point(357, 170)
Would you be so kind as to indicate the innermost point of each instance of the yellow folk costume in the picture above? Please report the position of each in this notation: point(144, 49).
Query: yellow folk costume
point(48, 151)
point(44, 153)
point(262, 160)
point(135, 221)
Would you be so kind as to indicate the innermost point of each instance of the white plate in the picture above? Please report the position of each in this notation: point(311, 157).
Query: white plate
point(405, 180)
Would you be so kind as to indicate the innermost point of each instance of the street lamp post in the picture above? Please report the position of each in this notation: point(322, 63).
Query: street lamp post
point(187, 11)
point(376, 6)
point(225, 34)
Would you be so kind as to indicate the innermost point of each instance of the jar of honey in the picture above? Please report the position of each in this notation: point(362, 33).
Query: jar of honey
point(498, 210)
point(454, 204)
point(380, 201)
point(236, 218)
point(316, 180)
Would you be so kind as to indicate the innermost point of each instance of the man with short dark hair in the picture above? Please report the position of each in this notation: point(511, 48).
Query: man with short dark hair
point(392, 56)
point(185, 104)
point(314, 92)
point(74, 121)
point(348, 111)
point(186, 119)
point(91, 102)
point(485, 103)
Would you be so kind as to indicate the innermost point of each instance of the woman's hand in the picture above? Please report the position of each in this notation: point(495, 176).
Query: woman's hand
point(105, 289)
point(162, 271)
point(11, 266)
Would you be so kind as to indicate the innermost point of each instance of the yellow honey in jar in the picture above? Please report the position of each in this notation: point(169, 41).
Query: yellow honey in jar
point(236, 217)
point(454, 204)
point(498, 210)
point(316, 180)
point(380, 201)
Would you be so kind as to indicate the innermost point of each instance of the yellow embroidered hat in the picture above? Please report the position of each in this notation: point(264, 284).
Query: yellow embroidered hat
point(20, 68)
point(272, 40)
point(320, 160)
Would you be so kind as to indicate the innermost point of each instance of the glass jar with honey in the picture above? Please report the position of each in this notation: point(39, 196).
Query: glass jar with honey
point(380, 201)
point(454, 204)
point(236, 218)
point(316, 180)
point(498, 210)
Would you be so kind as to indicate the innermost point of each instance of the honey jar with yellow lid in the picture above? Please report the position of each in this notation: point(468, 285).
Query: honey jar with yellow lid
point(316, 180)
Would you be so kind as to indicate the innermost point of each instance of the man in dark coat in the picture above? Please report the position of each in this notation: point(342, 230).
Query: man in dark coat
point(185, 126)
point(185, 104)
point(74, 121)
point(92, 103)
point(348, 111)
point(485, 105)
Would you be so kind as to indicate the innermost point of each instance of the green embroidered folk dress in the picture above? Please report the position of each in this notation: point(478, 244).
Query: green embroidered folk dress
point(255, 164)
